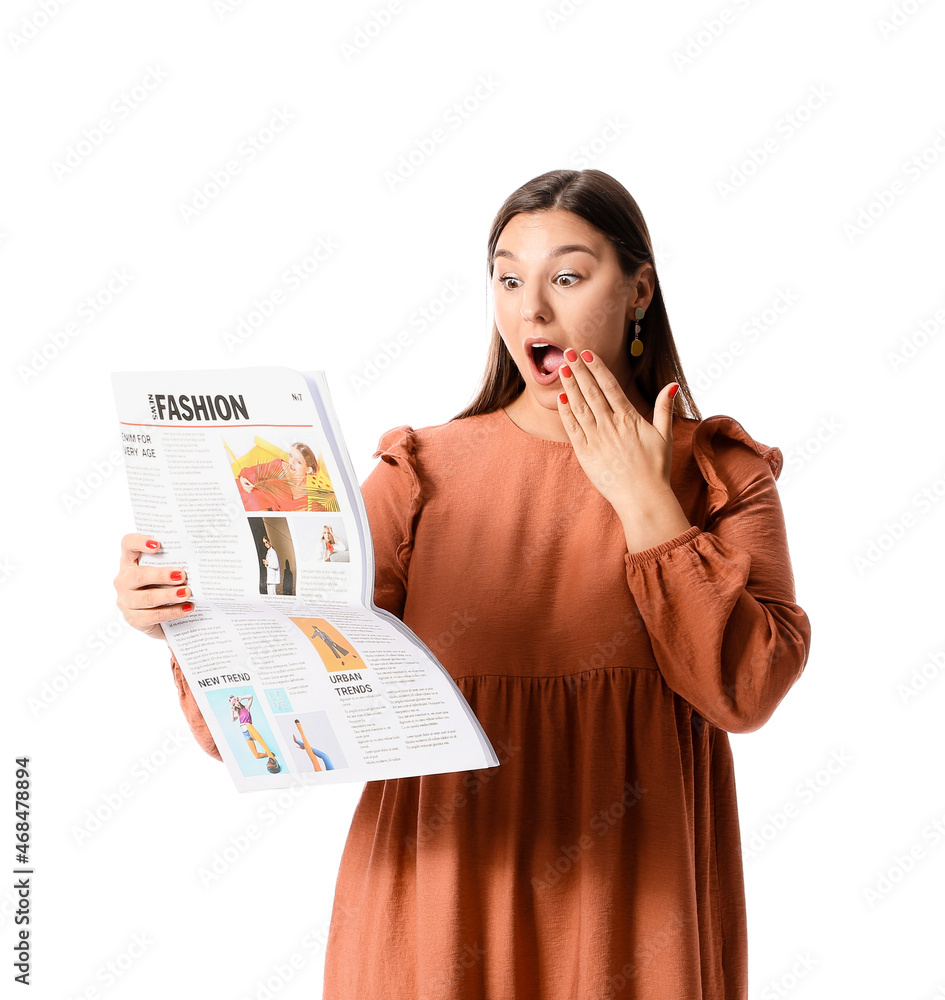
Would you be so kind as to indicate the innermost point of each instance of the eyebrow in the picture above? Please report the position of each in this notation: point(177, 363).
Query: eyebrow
point(557, 251)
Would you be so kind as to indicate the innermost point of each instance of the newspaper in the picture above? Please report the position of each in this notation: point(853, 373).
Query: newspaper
point(244, 477)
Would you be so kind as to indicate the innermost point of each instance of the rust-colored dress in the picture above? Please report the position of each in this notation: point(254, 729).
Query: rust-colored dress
point(602, 857)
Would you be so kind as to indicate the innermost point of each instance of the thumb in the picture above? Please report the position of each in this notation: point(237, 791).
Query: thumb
point(663, 411)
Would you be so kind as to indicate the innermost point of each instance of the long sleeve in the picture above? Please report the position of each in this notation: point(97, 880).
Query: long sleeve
point(393, 498)
point(719, 603)
point(192, 713)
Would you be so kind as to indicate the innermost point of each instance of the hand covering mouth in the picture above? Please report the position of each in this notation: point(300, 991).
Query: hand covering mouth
point(548, 358)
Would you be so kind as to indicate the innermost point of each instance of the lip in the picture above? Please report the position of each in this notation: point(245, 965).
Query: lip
point(536, 374)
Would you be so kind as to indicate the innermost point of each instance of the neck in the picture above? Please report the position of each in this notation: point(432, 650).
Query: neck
point(544, 421)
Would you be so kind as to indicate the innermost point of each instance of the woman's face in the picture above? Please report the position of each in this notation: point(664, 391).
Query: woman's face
point(297, 466)
point(546, 290)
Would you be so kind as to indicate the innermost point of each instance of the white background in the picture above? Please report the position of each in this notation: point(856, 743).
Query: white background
point(842, 217)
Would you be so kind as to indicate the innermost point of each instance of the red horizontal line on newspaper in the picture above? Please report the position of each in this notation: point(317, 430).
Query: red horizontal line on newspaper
point(208, 423)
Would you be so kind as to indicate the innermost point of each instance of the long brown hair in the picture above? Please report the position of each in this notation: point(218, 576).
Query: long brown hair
point(607, 205)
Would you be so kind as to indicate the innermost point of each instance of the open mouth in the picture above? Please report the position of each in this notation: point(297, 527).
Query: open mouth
point(548, 358)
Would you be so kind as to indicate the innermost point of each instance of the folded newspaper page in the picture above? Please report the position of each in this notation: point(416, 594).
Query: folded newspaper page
point(244, 477)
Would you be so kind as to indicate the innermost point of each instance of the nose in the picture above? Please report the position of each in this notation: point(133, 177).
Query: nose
point(535, 307)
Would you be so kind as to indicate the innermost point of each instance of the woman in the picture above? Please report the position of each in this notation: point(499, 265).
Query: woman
point(271, 562)
point(610, 586)
point(296, 484)
point(329, 543)
point(240, 713)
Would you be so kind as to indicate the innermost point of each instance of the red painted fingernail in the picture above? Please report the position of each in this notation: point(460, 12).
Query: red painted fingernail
point(563, 397)
point(153, 545)
point(587, 356)
point(570, 355)
point(674, 390)
point(187, 606)
point(177, 576)
point(182, 592)
point(565, 371)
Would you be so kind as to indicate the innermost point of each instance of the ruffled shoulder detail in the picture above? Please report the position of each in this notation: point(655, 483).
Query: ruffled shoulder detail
point(727, 456)
point(399, 442)
point(395, 497)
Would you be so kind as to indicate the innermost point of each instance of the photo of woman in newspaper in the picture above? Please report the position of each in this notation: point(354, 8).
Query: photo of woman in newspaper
point(339, 651)
point(271, 562)
point(333, 548)
point(293, 479)
point(336, 652)
point(275, 554)
point(242, 716)
point(320, 760)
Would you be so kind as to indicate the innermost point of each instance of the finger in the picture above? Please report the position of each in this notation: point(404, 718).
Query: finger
point(604, 394)
point(145, 621)
point(586, 368)
point(578, 402)
point(132, 577)
point(134, 544)
point(571, 425)
point(136, 577)
point(149, 598)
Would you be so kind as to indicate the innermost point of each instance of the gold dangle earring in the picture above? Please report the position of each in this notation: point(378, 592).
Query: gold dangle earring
point(636, 348)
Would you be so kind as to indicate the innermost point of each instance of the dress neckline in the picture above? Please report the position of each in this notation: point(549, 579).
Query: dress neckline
point(521, 432)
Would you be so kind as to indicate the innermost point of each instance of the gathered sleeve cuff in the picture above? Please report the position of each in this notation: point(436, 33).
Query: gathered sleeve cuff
point(393, 498)
point(719, 602)
point(192, 713)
